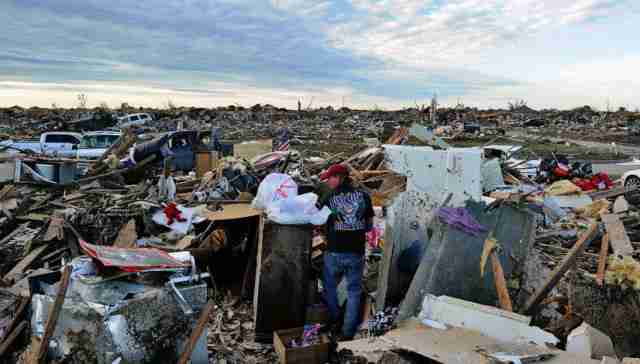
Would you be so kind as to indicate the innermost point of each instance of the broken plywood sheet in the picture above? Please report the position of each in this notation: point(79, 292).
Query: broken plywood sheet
point(458, 346)
point(618, 238)
point(233, 212)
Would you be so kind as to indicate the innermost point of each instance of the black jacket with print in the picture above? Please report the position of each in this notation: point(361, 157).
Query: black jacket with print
point(350, 219)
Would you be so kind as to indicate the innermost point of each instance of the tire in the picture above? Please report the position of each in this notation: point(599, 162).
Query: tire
point(632, 189)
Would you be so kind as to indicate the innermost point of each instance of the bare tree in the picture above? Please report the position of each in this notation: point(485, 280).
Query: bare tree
point(517, 105)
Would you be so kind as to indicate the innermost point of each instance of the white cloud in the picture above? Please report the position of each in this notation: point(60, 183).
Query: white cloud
point(384, 52)
point(419, 34)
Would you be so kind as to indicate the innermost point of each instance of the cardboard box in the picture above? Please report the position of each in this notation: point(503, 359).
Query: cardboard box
point(206, 161)
point(314, 354)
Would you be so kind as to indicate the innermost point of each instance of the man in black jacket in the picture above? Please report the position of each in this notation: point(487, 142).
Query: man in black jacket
point(351, 218)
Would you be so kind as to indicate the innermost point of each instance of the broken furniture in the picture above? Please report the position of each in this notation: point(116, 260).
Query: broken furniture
point(282, 279)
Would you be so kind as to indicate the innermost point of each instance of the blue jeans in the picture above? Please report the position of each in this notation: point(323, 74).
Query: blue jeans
point(350, 266)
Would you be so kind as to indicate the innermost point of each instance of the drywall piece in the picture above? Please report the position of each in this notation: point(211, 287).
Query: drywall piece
point(461, 346)
point(493, 322)
point(590, 342)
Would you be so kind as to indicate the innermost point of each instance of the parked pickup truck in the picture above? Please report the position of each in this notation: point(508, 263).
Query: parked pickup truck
point(94, 144)
point(52, 143)
point(89, 145)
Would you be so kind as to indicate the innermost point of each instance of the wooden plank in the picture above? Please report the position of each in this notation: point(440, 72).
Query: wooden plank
point(489, 250)
point(52, 320)
point(54, 254)
point(561, 269)
point(618, 238)
point(385, 276)
point(613, 192)
point(12, 337)
point(501, 283)
point(24, 301)
point(10, 236)
point(24, 264)
point(602, 259)
point(197, 332)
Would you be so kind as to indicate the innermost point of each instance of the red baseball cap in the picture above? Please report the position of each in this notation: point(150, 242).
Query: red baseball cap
point(335, 170)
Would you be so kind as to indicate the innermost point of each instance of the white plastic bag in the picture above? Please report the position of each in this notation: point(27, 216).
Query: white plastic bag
point(298, 210)
point(275, 187)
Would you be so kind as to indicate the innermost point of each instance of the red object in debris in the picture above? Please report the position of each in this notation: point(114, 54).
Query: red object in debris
point(131, 259)
point(584, 184)
point(172, 213)
point(562, 170)
point(600, 181)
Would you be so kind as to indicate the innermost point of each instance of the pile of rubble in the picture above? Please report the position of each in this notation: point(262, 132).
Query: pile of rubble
point(182, 246)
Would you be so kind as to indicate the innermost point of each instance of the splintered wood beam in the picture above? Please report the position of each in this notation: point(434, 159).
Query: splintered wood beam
point(501, 283)
point(618, 238)
point(197, 332)
point(52, 320)
point(12, 337)
point(24, 264)
point(602, 259)
point(557, 274)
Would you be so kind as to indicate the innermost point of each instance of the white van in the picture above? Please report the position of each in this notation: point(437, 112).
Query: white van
point(134, 120)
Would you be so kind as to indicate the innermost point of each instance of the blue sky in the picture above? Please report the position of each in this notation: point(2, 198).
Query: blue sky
point(360, 53)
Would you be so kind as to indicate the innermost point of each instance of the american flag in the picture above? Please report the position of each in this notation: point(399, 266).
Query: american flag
point(281, 140)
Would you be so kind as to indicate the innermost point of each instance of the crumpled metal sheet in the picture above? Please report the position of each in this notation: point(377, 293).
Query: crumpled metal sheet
point(149, 328)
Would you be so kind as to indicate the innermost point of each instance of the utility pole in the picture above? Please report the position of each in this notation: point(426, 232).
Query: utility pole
point(434, 111)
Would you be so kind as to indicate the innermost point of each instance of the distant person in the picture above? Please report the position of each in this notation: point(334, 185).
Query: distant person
point(351, 218)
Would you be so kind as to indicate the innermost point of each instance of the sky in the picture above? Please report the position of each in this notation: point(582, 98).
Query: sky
point(385, 54)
